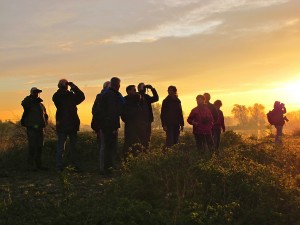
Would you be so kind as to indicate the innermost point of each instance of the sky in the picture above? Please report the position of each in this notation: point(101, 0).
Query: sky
point(240, 51)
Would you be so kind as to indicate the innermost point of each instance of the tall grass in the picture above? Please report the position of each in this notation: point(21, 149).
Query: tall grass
point(250, 182)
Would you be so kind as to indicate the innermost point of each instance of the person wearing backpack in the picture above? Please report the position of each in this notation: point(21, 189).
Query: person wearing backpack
point(279, 120)
point(35, 119)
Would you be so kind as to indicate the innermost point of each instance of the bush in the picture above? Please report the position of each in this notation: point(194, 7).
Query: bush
point(296, 132)
point(250, 182)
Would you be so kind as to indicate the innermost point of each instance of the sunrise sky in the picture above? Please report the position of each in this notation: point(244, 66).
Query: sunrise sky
point(240, 51)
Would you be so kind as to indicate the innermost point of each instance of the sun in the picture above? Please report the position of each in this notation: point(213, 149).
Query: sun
point(291, 91)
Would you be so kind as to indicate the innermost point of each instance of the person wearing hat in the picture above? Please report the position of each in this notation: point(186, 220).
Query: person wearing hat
point(67, 121)
point(172, 116)
point(35, 119)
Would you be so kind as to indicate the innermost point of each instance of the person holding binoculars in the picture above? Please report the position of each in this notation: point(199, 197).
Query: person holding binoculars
point(147, 113)
point(67, 121)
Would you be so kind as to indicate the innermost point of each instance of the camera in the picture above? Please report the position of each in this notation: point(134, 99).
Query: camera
point(282, 105)
point(148, 86)
point(70, 83)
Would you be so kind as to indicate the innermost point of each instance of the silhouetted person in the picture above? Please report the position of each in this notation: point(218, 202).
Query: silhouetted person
point(218, 126)
point(96, 119)
point(132, 117)
point(279, 110)
point(202, 121)
point(211, 107)
point(110, 110)
point(172, 116)
point(147, 115)
point(67, 121)
point(35, 119)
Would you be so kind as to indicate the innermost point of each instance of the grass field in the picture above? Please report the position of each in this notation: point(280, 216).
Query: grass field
point(251, 182)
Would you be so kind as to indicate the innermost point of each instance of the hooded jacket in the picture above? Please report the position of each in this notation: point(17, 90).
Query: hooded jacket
point(35, 114)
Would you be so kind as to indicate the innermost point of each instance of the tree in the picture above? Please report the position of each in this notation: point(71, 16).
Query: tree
point(257, 115)
point(241, 112)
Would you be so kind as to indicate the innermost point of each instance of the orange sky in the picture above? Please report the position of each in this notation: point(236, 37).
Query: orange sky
point(242, 52)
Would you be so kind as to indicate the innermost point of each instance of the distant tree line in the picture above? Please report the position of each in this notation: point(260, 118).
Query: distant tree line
point(252, 116)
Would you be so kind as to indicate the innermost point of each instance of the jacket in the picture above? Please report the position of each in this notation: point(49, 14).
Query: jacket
point(96, 111)
point(201, 119)
point(110, 110)
point(279, 115)
point(147, 100)
point(171, 112)
point(213, 111)
point(66, 102)
point(132, 110)
point(35, 114)
point(220, 124)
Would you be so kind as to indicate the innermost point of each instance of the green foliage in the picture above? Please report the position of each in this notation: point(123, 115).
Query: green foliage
point(230, 139)
point(250, 182)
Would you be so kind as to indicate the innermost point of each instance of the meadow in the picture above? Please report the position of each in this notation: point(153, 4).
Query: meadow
point(251, 182)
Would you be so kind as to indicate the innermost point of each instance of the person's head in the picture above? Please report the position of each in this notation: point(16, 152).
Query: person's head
point(200, 100)
point(34, 91)
point(207, 97)
point(141, 88)
point(131, 90)
point(277, 104)
point(115, 83)
point(172, 91)
point(106, 84)
point(63, 84)
point(218, 104)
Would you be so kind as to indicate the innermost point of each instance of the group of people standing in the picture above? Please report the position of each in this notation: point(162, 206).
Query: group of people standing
point(134, 109)
point(136, 112)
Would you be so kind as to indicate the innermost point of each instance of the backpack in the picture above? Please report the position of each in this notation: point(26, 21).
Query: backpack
point(272, 117)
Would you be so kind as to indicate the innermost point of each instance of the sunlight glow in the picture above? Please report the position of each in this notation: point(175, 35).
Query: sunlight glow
point(292, 90)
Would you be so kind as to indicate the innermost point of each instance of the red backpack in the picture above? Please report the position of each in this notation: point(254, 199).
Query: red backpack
point(273, 117)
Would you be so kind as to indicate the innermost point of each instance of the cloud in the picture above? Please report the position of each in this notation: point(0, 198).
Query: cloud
point(66, 46)
point(202, 18)
point(166, 30)
point(174, 3)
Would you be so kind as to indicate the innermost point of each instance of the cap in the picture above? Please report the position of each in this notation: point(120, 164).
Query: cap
point(35, 90)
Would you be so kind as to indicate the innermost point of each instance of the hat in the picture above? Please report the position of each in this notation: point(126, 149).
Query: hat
point(35, 90)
